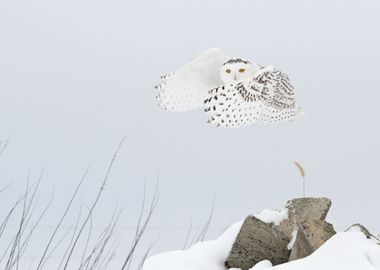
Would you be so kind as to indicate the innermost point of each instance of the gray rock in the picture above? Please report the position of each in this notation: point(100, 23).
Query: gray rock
point(318, 232)
point(310, 236)
point(259, 241)
point(301, 210)
point(255, 242)
point(301, 247)
point(364, 230)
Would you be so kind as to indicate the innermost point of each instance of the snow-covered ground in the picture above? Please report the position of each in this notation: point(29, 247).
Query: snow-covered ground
point(208, 255)
point(349, 250)
point(344, 251)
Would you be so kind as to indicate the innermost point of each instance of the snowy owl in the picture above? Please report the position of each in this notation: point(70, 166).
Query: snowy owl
point(235, 92)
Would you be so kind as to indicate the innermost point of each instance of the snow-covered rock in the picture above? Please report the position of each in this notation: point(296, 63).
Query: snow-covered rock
point(267, 235)
point(349, 250)
point(265, 241)
point(273, 216)
point(344, 251)
point(361, 228)
point(301, 210)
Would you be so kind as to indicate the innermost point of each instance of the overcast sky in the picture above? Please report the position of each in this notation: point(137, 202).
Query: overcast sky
point(76, 76)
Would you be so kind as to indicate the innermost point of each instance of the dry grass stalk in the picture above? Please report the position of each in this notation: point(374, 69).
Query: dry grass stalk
point(302, 172)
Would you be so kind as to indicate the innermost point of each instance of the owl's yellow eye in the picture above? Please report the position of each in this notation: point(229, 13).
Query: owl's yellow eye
point(228, 70)
point(241, 70)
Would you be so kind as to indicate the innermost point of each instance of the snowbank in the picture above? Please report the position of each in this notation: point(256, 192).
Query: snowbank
point(345, 251)
point(208, 255)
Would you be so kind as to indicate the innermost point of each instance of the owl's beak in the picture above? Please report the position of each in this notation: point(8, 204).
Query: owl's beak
point(235, 76)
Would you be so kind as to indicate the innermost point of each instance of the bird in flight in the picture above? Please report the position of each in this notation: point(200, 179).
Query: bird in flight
point(234, 92)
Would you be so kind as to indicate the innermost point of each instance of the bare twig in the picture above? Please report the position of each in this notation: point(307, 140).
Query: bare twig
point(93, 257)
point(61, 220)
point(108, 233)
point(94, 203)
point(110, 254)
point(72, 237)
point(203, 233)
point(142, 209)
point(147, 252)
point(22, 224)
point(25, 243)
point(3, 146)
point(87, 241)
point(188, 235)
point(137, 239)
point(6, 219)
point(5, 187)
point(59, 242)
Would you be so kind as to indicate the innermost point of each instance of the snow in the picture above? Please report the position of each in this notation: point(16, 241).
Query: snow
point(358, 229)
point(208, 255)
point(349, 250)
point(344, 251)
point(273, 216)
point(293, 239)
point(262, 265)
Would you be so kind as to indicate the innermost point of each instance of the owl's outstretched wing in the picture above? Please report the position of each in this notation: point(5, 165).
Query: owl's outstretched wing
point(268, 97)
point(280, 105)
point(276, 93)
point(186, 88)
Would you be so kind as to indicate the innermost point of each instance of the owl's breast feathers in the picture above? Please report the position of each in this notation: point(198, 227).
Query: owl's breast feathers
point(267, 97)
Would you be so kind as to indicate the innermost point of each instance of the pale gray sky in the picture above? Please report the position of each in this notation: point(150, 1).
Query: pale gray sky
point(76, 76)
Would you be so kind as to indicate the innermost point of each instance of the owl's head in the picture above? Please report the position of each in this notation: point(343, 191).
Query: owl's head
point(237, 69)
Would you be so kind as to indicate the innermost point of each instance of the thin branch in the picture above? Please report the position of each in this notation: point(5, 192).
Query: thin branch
point(28, 237)
point(62, 218)
point(72, 237)
point(142, 209)
point(188, 235)
point(203, 232)
point(109, 234)
point(100, 245)
point(142, 230)
point(3, 146)
point(110, 254)
point(95, 202)
point(25, 218)
point(5, 187)
point(147, 252)
point(87, 241)
point(6, 219)
point(59, 242)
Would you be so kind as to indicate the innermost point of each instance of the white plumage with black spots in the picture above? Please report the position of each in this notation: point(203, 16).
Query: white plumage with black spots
point(234, 92)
